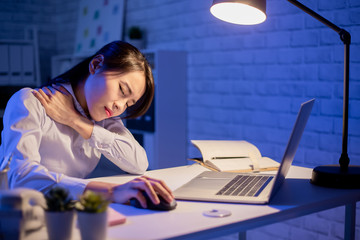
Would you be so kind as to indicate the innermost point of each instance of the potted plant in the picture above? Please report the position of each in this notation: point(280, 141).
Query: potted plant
point(136, 37)
point(92, 215)
point(59, 214)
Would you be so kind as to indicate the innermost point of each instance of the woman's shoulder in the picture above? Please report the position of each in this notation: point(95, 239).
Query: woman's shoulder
point(22, 93)
point(24, 97)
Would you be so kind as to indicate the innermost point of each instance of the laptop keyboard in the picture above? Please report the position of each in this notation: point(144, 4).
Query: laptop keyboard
point(245, 185)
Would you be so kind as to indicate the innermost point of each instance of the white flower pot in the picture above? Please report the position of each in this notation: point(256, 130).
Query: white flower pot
point(59, 224)
point(92, 226)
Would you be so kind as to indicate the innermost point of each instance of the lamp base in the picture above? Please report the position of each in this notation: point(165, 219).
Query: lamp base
point(331, 176)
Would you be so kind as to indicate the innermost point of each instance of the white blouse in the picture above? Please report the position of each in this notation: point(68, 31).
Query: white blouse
point(45, 152)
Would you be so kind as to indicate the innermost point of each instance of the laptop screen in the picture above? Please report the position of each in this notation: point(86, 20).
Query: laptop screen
point(293, 143)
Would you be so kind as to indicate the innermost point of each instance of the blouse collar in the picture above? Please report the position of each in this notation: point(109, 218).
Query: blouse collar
point(78, 107)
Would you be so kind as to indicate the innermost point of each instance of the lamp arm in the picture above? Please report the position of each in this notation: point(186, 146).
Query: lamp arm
point(346, 39)
point(344, 35)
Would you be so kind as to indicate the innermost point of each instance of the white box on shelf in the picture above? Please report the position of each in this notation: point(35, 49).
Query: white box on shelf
point(166, 140)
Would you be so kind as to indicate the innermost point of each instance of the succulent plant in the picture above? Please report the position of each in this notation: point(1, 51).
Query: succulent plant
point(92, 202)
point(135, 33)
point(58, 200)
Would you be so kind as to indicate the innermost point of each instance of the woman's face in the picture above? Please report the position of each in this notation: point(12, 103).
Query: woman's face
point(108, 95)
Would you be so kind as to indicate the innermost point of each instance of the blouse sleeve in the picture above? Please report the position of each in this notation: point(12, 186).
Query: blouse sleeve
point(118, 145)
point(24, 120)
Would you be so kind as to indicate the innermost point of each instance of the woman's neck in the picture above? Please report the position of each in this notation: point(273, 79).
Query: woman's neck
point(80, 95)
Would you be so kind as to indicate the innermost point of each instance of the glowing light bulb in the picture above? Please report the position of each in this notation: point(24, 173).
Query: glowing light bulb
point(238, 13)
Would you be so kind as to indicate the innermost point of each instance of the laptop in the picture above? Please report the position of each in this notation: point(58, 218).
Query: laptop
point(253, 188)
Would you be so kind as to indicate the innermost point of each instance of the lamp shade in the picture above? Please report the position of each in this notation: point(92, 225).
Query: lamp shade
point(245, 12)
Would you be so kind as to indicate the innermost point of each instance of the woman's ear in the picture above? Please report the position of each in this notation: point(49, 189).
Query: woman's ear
point(96, 63)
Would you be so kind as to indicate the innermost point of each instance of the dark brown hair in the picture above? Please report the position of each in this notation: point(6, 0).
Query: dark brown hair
point(119, 58)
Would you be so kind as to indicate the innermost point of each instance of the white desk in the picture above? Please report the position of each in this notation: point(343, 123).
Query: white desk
point(297, 197)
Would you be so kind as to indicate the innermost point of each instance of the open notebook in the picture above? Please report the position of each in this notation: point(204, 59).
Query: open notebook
point(246, 188)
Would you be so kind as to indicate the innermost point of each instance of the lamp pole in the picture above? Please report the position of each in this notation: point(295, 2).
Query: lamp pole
point(344, 159)
point(346, 39)
point(341, 176)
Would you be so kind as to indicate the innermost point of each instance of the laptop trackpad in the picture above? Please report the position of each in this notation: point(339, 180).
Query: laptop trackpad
point(207, 182)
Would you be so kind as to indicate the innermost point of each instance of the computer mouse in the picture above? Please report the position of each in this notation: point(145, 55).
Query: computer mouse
point(162, 206)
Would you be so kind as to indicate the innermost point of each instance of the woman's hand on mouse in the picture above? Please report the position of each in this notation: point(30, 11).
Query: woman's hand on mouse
point(133, 189)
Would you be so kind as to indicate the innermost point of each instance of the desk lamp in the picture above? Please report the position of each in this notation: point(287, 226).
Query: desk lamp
point(248, 12)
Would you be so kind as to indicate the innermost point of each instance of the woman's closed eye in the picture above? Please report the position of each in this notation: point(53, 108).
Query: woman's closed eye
point(126, 92)
point(123, 94)
point(122, 90)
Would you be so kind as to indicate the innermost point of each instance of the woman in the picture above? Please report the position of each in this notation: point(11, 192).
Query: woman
point(57, 134)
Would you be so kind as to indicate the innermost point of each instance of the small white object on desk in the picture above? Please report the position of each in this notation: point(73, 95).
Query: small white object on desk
point(217, 213)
